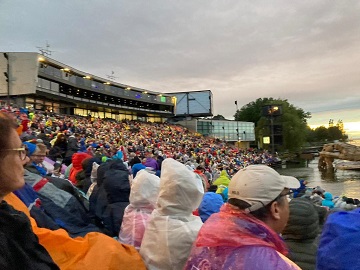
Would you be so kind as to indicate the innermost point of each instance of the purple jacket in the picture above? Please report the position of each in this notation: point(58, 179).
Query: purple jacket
point(232, 239)
point(150, 162)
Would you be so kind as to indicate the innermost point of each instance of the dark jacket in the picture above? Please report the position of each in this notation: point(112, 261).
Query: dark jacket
point(20, 248)
point(111, 196)
point(87, 168)
point(301, 231)
point(55, 153)
point(60, 205)
point(72, 147)
point(62, 145)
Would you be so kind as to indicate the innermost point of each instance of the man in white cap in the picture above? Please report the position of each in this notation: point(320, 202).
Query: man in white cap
point(245, 233)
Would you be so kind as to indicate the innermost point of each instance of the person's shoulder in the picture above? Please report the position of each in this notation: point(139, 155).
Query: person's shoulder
point(270, 258)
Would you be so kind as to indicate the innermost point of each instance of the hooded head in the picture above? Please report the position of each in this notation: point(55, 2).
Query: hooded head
point(303, 221)
point(328, 196)
point(144, 190)
point(181, 191)
point(30, 148)
point(118, 156)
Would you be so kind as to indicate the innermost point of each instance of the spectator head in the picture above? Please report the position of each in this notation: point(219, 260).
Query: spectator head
point(213, 188)
point(57, 169)
point(319, 191)
point(136, 160)
point(39, 154)
point(200, 168)
point(30, 148)
point(181, 191)
point(13, 156)
point(144, 190)
point(60, 137)
point(304, 210)
point(261, 191)
point(148, 153)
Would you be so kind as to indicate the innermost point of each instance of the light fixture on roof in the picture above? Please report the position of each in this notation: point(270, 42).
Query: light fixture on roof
point(107, 83)
point(65, 69)
point(41, 59)
point(160, 95)
point(145, 92)
point(128, 88)
point(87, 77)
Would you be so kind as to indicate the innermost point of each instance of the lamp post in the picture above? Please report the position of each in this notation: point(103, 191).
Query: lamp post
point(237, 124)
point(224, 132)
point(272, 133)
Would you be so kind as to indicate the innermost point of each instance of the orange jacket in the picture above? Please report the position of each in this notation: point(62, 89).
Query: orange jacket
point(94, 251)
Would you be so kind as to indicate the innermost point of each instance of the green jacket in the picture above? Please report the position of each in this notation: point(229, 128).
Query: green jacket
point(223, 179)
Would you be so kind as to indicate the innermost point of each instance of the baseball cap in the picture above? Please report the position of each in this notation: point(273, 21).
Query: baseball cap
point(258, 185)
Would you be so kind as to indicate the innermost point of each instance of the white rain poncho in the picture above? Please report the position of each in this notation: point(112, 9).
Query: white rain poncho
point(143, 196)
point(172, 229)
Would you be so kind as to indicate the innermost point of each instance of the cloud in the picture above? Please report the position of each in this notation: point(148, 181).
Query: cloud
point(305, 51)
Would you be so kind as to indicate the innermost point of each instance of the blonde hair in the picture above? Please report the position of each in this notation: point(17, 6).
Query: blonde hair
point(40, 149)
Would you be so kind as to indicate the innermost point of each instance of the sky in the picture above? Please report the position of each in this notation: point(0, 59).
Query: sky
point(307, 52)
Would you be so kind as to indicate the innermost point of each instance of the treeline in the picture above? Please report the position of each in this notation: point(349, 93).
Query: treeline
point(323, 134)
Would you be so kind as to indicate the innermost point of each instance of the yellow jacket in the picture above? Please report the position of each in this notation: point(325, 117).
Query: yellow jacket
point(222, 180)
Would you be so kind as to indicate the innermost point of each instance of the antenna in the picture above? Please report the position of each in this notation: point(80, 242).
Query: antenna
point(45, 51)
point(112, 76)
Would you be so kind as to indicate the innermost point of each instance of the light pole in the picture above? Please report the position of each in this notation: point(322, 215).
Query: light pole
point(272, 133)
point(237, 123)
point(224, 132)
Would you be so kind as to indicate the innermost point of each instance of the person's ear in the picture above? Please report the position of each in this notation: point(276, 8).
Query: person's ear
point(275, 210)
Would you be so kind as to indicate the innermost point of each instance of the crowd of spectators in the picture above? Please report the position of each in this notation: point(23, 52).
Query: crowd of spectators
point(106, 194)
point(104, 137)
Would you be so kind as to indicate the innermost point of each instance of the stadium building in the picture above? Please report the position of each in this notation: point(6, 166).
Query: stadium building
point(33, 80)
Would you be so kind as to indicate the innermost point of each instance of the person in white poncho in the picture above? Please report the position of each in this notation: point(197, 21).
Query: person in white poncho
point(172, 228)
point(143, 195)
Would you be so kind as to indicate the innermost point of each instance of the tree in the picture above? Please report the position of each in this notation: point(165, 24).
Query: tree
point(218, 117)
point(293, 122)
point(335, 133)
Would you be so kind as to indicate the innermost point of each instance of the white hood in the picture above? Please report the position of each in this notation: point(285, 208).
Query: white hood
point(181, 191)
point(144, 190)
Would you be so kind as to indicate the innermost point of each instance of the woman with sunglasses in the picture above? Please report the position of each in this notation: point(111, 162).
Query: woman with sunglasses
point(20, 248)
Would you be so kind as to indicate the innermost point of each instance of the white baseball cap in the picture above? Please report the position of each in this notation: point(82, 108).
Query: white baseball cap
point(258, 185)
